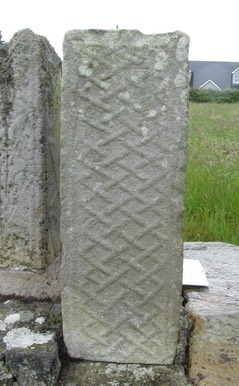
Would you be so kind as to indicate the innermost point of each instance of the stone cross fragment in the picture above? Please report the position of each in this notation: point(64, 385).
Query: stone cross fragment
point(30, 91)
point(124, 123)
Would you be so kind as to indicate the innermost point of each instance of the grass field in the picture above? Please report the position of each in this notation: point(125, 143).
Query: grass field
point(212, 174)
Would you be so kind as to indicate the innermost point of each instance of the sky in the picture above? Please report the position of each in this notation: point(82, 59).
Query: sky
point(211, 25)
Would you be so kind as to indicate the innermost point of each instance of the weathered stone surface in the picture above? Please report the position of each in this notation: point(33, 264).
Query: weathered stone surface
point(32, 285)
point(6, 378)
point(123, 152)
point(112, 374)
point(29, 152)
point(184, 332)
point(214, 344)
point(29, 333)
point(36, 365)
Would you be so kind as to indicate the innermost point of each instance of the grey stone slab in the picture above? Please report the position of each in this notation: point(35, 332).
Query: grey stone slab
point(124, 123)
point(112, 374)
point(214, 341)
point(31, 285)
point(30, 81)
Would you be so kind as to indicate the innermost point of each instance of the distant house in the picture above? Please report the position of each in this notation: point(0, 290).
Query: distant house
point(214, 75)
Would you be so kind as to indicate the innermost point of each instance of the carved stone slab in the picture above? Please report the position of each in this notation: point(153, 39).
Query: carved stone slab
point(122, 183)
point(30, 80)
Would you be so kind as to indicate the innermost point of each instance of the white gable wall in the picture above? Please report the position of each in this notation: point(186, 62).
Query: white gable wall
point(209, 85)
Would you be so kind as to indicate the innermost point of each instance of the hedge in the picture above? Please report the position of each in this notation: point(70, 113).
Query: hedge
point(216, 96)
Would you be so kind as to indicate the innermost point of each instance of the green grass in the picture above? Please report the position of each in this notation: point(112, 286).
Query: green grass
point(212, 173)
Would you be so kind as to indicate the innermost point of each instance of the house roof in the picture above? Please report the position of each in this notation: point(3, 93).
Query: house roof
point(218, 72)
point(236, 70)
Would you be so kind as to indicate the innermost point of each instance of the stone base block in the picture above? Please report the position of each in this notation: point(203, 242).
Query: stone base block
point(214, 342)
point(95, 373)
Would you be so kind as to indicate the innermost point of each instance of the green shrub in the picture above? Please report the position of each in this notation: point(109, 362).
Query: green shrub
point(214, 96)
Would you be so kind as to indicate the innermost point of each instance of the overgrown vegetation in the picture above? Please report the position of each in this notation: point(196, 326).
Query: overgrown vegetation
point(212, 176)
point(214, 96)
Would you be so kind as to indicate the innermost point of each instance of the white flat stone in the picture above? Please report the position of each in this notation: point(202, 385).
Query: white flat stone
point(193, 274)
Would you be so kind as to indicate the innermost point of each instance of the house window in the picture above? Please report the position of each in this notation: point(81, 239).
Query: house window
point(236, 78)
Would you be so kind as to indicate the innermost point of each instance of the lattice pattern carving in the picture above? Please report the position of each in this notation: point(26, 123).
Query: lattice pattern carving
point(124, 225)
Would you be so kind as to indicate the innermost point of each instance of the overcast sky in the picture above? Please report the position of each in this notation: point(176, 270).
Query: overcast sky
point(211, 25)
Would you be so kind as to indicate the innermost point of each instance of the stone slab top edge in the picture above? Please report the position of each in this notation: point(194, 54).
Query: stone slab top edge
point(123, 31)
point(136, 37)
point(27, 34)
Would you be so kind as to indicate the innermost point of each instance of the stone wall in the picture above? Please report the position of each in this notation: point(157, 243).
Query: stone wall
point(30, 83)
